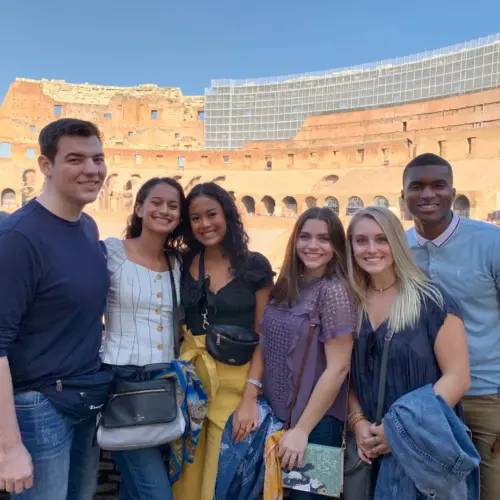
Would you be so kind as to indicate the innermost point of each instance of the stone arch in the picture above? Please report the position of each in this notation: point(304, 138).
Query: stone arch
point(311, 202)
point(219, 179)
point(193, 182)
point(177, 177)
point(29, 177)
point(110, 194)
point(329, 180)
point(354, 204)
point(133, 183)
point(290, 205)
point(404, 213)
point(28, 186)
point(249, 203)
point(380, 201)
point(269, 204)
point(333, 203)
point(461, 206)
point(8, 198)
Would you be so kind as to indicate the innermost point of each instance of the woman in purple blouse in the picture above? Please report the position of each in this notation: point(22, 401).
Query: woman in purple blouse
point(312, 288)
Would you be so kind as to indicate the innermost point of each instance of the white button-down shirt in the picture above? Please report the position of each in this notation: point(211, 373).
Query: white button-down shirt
point(138, 318)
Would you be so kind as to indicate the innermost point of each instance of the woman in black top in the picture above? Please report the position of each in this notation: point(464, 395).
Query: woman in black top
point(236, 292)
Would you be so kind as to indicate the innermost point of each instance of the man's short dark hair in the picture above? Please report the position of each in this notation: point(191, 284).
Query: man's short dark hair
point(428, 160)
point(51, 133)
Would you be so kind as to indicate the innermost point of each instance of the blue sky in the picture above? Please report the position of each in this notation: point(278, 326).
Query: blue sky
point(186, 43)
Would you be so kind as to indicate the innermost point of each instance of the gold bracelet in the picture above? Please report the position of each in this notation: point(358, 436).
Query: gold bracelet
point(355, 420)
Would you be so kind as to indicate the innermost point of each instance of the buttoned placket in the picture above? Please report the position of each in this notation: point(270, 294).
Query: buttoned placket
point(157, 305)
point(431, 249)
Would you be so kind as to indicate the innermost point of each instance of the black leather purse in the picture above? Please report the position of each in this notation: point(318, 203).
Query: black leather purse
point(228, 344)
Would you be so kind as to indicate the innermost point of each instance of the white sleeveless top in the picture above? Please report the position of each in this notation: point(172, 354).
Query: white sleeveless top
point(138, 318)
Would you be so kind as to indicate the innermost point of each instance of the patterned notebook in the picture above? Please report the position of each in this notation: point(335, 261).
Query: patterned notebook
point(322, 472)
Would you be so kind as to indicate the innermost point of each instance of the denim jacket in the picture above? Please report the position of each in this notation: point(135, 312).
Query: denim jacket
point(241, 465)
point(432, 451)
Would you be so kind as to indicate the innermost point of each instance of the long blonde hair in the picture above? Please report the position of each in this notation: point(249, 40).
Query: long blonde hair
point(413, 285)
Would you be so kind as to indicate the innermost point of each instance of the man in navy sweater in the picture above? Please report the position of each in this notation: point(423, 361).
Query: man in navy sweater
point(53, 287)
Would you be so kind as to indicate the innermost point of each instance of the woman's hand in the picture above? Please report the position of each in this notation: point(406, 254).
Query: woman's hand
point(292, 448)
point(246, 418)
point(380, 444)
point(364, 441)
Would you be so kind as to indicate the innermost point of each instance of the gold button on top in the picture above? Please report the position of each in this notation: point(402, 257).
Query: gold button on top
point(159, 294)
point(158, 311)
point(160, 347)
point(160, 328)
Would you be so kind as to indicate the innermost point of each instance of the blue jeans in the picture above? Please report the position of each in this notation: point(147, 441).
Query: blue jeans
point(65, 459)
point(329, 433)
point(144, 475)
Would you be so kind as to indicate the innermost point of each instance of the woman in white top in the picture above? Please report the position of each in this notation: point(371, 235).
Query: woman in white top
point(139, 317)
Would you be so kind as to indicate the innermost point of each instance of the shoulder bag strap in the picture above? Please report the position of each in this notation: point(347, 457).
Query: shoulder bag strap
point(175, 308)
point(204, 288)
point(383, 378)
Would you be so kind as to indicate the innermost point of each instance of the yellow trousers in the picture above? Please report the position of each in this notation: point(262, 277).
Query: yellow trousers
point(224, 385)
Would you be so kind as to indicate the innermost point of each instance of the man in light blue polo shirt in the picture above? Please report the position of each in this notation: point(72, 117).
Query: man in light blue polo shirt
point(463, 256)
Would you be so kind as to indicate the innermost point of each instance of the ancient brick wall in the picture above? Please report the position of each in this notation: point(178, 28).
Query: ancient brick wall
point(334, 158)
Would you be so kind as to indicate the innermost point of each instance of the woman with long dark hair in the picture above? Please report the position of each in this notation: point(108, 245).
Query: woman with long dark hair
point(312, 291)
point(223, 283)
point(139, 318)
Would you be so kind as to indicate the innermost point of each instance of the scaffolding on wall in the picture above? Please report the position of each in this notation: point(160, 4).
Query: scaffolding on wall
point(269, 109)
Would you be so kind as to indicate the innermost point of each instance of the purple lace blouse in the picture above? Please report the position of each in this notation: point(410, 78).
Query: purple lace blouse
point(329, 304)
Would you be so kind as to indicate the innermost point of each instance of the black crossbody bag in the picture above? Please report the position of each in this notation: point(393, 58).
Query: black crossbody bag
point(228, 344)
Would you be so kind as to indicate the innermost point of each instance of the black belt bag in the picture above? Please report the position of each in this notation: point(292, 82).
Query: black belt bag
point(231, 344)
point(79, 398)
point(228, 344)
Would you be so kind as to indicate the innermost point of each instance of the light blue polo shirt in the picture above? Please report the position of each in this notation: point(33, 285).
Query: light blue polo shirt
point(465, 261)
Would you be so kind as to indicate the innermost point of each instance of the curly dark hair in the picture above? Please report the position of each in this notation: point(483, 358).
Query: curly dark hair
point(174, 239)
point(235, 242)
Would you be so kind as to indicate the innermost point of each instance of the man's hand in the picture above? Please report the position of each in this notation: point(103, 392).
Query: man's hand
point(495, 449)
point(16, 469)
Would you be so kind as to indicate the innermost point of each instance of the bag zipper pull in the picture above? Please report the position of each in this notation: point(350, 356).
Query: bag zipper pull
point(59, 386)
point(218, 339)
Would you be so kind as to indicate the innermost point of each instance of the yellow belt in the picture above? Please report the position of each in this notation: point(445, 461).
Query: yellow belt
point(194, 351)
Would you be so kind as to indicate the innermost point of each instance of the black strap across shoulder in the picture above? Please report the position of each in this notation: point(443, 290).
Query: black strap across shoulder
point(383, 378)
point(175, 308)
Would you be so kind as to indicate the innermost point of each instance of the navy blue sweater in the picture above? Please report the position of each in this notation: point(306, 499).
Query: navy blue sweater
point(53, 287)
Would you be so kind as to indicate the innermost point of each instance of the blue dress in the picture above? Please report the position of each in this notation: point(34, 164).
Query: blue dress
point(412, 362)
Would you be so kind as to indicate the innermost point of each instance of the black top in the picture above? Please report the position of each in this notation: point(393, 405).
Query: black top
point(53, 289)
point(234, 303)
